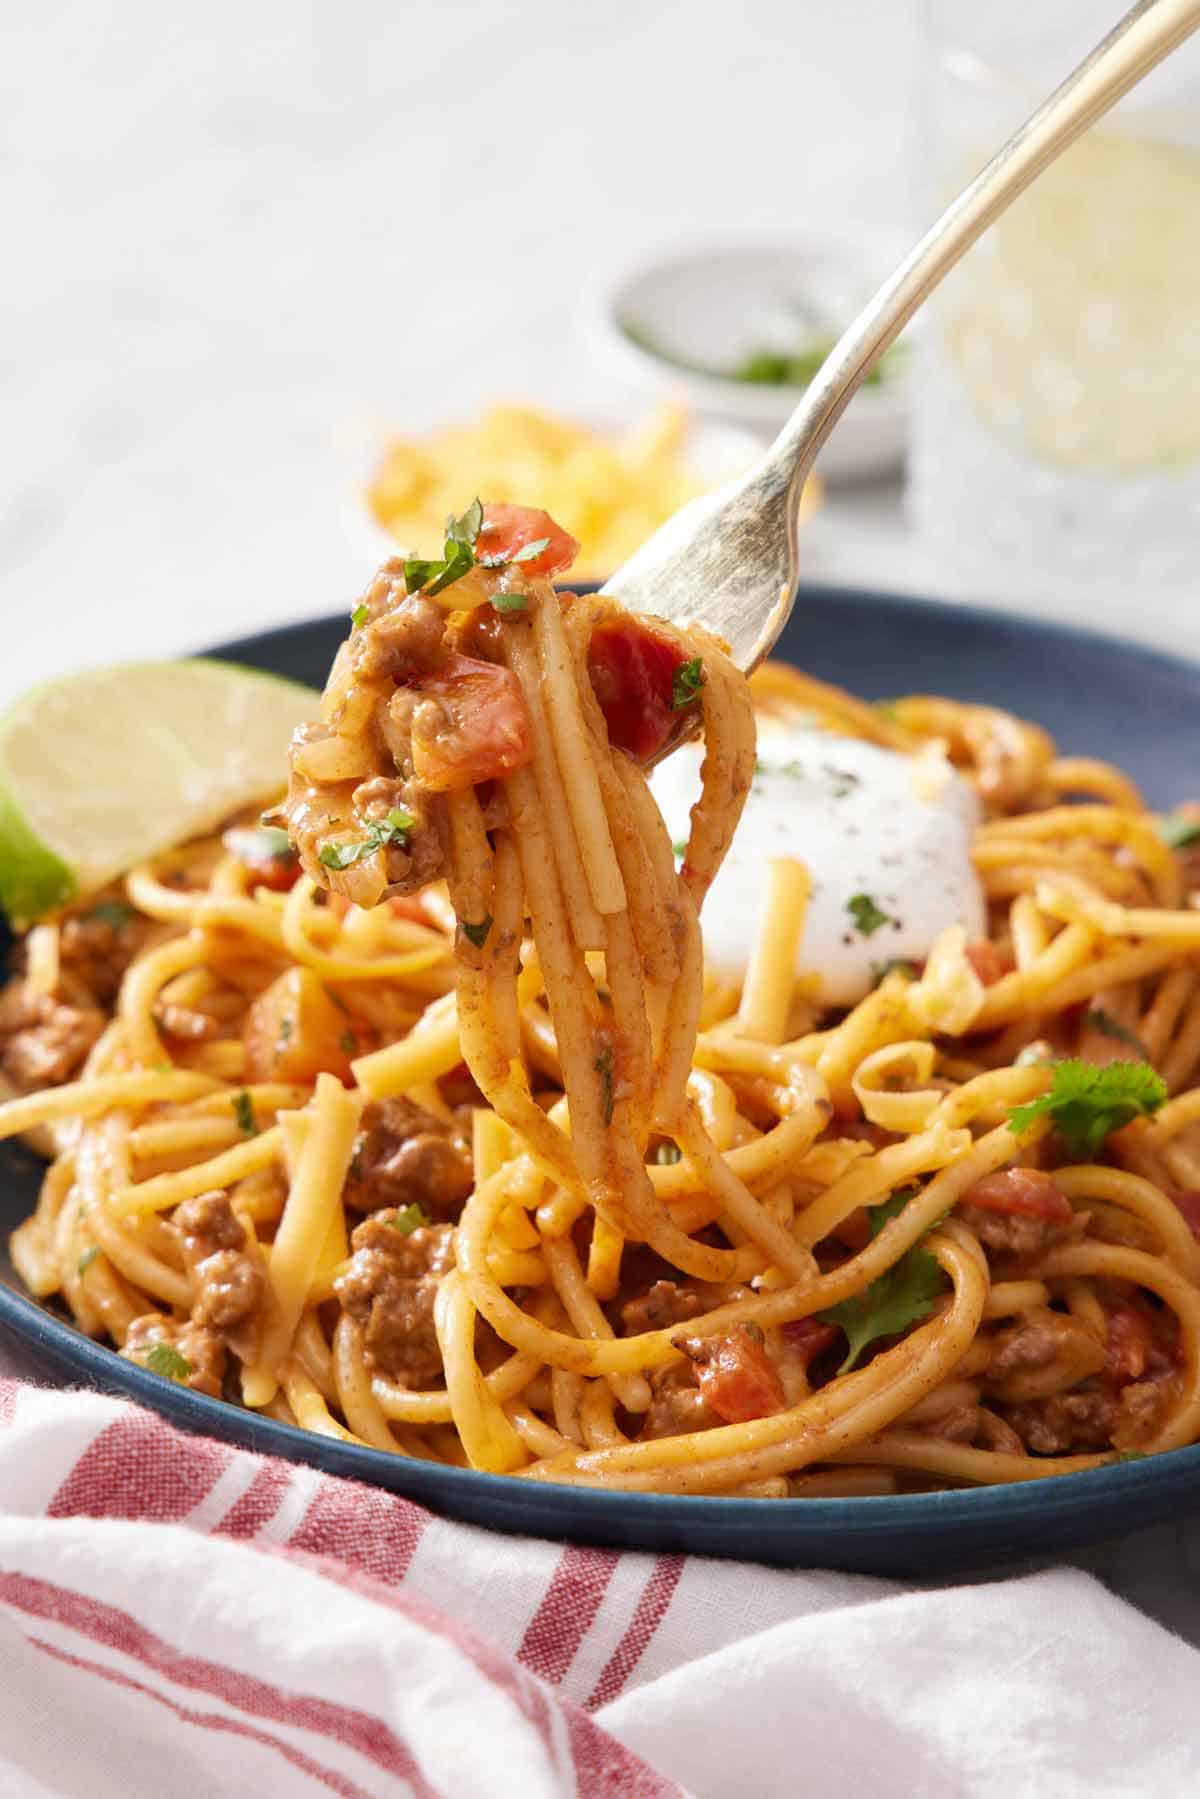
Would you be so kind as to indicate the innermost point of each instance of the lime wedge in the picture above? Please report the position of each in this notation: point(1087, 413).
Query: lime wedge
point(101, 769)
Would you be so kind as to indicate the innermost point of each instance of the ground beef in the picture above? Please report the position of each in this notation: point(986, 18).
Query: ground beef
point(389, 1289)
point(95, 949)
point(662, 1306)
point(206, 1224)
point(43, 1041)
point(201, 1349)
point(229, 1284)
point(1066, 1422)
point(405, 1156)
point(421, 860)
point(1044, 1352)
point(404, 640)
point(677, 1406)
point(1009, 1233)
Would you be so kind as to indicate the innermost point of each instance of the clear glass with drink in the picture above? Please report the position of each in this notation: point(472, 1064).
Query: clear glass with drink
point(1055, 455)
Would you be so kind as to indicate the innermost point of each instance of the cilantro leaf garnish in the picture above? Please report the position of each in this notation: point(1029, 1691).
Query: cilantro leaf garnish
point(243, 1111)
point(457, 558)
point(409, 1219)
point(867, 916)
point(1086, 1102)
point(477, 933)
point(686, 683)
point(1178, 832)
point(511, 602)
point(467, 528)
point(679, 850)
point(527, 553)
point(903, 1295)
point(603, 1066)
point(162, 1359)
point(347, 1043)
point(1108, 1026)
point(380, 832)
point(113, 912)
point(359, 616)
point(418, 570)
point(86, 1259)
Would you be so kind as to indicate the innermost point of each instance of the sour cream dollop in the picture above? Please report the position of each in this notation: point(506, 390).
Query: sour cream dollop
point(886, 838)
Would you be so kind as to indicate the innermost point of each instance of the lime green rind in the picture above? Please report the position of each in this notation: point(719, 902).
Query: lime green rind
point(38, 870)
point(33, 880)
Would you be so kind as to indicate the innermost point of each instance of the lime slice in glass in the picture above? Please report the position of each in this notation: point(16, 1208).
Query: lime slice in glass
point(101, 769)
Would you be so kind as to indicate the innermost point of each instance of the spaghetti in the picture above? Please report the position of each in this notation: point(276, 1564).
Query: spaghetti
point(422, 1126)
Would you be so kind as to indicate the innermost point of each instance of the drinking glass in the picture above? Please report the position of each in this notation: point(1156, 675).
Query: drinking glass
point(1055, 452)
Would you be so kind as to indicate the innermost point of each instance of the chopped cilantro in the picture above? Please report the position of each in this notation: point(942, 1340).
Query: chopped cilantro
point(893, 965)
point(1100, 1020)
point(1086, 1102)
point(86, 1259)
point(477, 933)
point(680, 849)
point(904, 1294)
point(359, 617)
point(511, 602)
point(667, 1154)
point(1131, 1455)
point(527, 553)
point(604, 1068)
point(162, 1359)
point(409, 1219)
point(347, 1043)
point(1178, 832)
point(866, 914)
point(686, 683)
point(380, 832)
point(457, 559)
point(113, 912)
point(843, 781)
point(243, 1111)
point(467, 528)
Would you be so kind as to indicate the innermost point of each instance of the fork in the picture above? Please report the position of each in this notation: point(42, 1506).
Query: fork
point(728, 561)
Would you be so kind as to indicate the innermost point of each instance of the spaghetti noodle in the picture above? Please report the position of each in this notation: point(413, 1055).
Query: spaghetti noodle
point(424, 1127)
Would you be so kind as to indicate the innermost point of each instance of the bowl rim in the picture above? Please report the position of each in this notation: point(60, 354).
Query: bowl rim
point(596, 1513)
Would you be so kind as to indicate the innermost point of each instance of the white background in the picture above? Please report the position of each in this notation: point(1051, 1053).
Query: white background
point(233, 233)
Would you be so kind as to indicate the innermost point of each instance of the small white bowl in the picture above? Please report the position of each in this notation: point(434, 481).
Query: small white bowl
point(712, 453)
point(663, 325)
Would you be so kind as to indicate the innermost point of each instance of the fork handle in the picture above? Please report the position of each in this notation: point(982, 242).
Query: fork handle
point(1147, 33)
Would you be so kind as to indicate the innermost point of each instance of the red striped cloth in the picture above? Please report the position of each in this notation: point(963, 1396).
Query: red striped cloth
point(179, 1619)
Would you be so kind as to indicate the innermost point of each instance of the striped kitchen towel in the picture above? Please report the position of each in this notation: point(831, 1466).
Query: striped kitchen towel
point(179, 1619)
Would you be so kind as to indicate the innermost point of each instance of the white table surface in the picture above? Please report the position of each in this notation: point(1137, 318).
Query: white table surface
point(234, 233)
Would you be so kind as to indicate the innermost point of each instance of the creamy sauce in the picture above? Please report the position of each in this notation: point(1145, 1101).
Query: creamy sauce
point(870, 825)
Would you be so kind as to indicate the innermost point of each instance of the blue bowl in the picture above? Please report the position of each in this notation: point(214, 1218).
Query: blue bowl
point(1097, 696)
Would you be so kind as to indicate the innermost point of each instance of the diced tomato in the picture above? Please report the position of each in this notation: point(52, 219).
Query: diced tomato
point(987, 961)
point(294, 1031)
point(478, 732)
point(1188, 1201)
point(737, 1377)
point(507, 529)
point(266, 853)
point(1028, 1191)
point(1130, 1345)
point(633, 672)
point(808, 1338)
